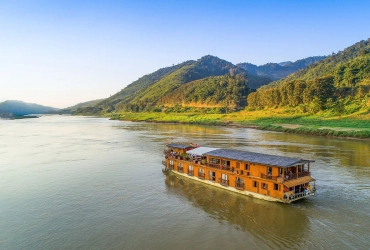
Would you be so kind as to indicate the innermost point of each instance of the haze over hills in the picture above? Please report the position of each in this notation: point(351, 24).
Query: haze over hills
point(14, 108)
point(276, 71)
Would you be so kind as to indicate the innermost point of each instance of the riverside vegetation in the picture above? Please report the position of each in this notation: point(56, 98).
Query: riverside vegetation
point(329, 97)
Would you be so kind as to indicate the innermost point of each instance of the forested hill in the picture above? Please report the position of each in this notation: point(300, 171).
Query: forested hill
point(276, 71)
point(340, 83)
point(328, 65)
point(149, 91)
point(215, 91)
point(13, 108)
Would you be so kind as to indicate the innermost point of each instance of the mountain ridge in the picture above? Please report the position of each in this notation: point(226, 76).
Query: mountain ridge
point(276, 71)
point(149, 90)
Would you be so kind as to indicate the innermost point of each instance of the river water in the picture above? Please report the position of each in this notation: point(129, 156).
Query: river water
point(91, 183)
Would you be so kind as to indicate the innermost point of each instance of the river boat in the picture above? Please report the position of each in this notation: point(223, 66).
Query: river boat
point(263, 176)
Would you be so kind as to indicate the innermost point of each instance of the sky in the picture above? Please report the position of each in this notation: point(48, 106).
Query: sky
point(60, 53)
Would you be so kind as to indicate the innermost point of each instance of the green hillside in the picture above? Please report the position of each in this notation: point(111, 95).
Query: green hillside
point(214, 91)
point(276, 71)
point(339, 83)
point(204, 67)
point(327, 65)
point(181, 81)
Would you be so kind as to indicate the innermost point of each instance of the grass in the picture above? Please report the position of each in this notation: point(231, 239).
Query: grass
point(356, 125)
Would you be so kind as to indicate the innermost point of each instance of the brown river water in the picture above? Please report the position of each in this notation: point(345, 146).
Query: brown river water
point(91, 183)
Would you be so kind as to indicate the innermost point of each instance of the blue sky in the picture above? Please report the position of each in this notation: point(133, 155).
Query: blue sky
point(60, 53)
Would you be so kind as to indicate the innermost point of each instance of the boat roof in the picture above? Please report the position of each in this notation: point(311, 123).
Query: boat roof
point(177, 145)
point(200, 150)
point(251, 157)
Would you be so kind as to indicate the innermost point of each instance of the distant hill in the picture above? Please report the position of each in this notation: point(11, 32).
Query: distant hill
point(14, 108)
point(340, 82)
point(74, 108)
point(156, 89)
point(276, 71)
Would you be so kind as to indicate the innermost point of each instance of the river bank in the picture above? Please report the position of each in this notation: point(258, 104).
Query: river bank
point(353, 126)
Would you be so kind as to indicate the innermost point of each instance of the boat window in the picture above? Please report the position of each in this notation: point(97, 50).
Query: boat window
point(238, 165)
point(246, 166)
point(276, 187)
point(269, 170)
point(190, 167)
point(264, 186)
point(255, 184)
point(224, 176)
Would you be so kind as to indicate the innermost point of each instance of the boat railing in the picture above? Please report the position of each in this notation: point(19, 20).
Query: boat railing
point(180, 169)
point(269, 177)
point(191, 172)
point(212, 178)
point(201, 175)
point(304, 173)
point(171, 166)
point(199, 162)
point(291, 197)
point(293, 176)
point(239, 185)
point(174, 155)
point(223, 182)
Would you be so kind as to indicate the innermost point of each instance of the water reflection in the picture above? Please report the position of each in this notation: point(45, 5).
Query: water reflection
point(281, 225)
